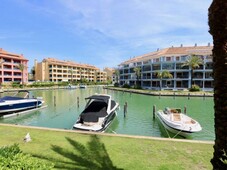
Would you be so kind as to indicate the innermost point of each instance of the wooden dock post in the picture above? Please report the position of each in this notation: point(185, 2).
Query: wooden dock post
point(54, 101)
point(188, 96)
point(159, 95)
point(78, 102)
point(185, 110)
point(204, 95)
point(154, 110)
point(174, 95)
point(125, 109)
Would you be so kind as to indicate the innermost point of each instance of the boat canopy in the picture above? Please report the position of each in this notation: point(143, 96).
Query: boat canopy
point(99, 97)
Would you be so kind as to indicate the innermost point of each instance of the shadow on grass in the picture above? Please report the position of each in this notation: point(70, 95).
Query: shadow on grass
point(83, 157)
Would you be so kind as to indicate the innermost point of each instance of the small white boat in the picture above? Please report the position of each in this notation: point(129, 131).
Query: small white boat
point(82, 86)
point(98, 114)
point(177, 122)
point(71, 86)
point(20, 101)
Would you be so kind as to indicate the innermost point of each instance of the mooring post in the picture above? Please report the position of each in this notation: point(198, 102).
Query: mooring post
point(125, 109)
point(78, 102)
point(159, 95)
point(188, 96)
point(174, 95)
point(185, 110)
point(54, 101)
point(204, 95)
point(154, 110)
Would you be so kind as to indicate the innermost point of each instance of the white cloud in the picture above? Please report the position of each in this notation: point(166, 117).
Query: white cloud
point(130, 24)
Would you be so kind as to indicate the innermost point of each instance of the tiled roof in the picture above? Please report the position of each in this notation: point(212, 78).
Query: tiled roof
point(68, 63)
point(6, 54)
point(172, 51)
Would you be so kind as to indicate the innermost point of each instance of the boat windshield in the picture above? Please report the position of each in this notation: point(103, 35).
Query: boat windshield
point(22, 94)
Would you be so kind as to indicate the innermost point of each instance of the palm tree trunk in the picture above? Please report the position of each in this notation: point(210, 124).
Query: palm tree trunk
point(191, 77)
point(218, 25)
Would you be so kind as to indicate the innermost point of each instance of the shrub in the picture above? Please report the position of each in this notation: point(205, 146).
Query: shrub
point(11, 157)
point(126, 86)
point(137, 87)
point(194, 88)
point(116, 84)
point(16, 84)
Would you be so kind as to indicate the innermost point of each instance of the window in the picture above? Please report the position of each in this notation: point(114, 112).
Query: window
point(167, 66)
point(156, 60)
point(168, 58)
point(156, 66)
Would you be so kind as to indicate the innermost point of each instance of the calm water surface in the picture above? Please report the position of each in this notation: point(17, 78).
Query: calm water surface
point(138, 121)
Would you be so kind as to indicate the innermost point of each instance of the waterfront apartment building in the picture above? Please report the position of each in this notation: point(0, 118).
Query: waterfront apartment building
point(9, 67)
point(54, 70)
point(172, 60)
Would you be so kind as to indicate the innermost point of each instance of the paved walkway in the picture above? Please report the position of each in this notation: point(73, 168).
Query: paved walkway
point(163, 93)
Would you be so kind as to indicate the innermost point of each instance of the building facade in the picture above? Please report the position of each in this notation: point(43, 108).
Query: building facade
point(9, 67)
point(67, 71)
point(110, 74)
point(171, 59)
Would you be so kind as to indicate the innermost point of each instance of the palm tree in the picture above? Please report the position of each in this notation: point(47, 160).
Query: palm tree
point(21, 67)
point(218, 25)
point(71, 72)
point(33, 72)
point(193, 62)
point(137, 71)
point(1, 62)
point(163, 74)
point(117, 73)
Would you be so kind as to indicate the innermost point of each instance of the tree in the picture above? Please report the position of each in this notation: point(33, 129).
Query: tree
point(22, 67)
point(137, 71)
point(33, 71)
point(1, 63)
point(163, 74)
point(117, 73)
point(193, 62)
point(71, 72)
point(218, 30)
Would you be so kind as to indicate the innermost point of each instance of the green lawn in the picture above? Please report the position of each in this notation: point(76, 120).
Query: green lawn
point(70, 150)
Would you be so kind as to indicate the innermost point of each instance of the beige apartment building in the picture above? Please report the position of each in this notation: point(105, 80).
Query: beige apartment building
point(110, 74)
point(54, 70)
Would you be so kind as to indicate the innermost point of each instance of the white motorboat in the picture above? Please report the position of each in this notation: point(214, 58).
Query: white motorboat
point(82, 86)
point(71, 86)
point(98, 114)
point(177, 122)
point(20, 101)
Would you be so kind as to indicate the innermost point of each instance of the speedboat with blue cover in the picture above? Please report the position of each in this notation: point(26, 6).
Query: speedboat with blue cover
point(98, 114)
point(19, 102)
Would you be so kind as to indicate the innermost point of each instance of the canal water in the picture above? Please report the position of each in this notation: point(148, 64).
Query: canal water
point(139, 118)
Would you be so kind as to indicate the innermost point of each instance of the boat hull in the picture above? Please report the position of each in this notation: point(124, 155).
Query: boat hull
point(108, 120)
point(9, 107)
point(176, 129)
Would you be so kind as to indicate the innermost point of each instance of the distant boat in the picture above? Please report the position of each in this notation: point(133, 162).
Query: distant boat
point(71, 86)
point(82, 86)
point(177, 122)
point(98, 114)
point(20, 101)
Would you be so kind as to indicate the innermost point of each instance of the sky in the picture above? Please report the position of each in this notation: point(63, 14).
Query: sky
point(102, 33)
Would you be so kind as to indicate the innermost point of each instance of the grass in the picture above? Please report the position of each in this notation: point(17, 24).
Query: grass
point(70, 150)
